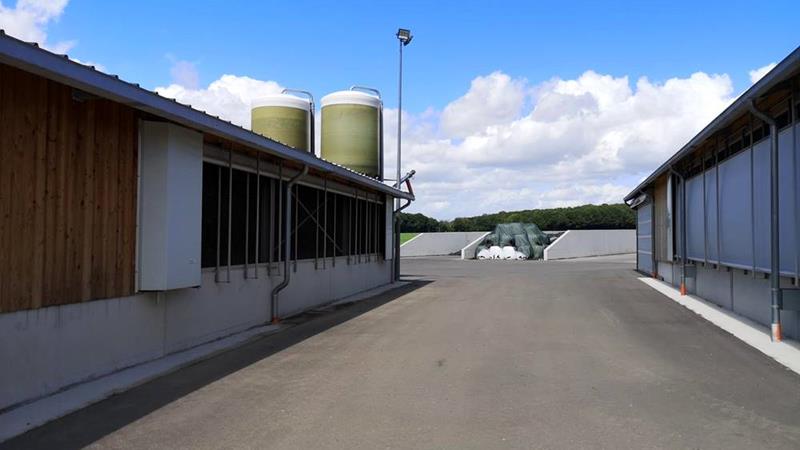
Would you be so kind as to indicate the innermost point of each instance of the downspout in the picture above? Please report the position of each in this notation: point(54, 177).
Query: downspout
point(287, 247)
point(775, 275)
point(682, 228)
point(397, 225)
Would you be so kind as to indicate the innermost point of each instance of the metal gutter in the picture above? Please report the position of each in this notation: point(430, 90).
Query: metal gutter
point(60, 68)
point(739, 106)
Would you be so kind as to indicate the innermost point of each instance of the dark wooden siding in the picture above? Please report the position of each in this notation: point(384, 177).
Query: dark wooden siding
point(661, 220)
point(67, 194)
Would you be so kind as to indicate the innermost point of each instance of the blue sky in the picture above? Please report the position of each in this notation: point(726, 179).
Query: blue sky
point(544, 93)
point(324, 46)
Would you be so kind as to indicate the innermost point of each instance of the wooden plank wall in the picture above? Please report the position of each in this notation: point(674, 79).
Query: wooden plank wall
point(661, 219)
point(67, 194)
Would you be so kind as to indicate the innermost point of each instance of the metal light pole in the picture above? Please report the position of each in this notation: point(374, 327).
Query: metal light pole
point(404, 37)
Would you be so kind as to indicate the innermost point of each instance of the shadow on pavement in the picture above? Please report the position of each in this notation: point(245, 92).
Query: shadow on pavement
point(83, 427)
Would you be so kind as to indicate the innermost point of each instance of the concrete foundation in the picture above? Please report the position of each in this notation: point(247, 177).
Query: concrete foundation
point(734, 290)
point(56, 347)
point(667, 272)
point(715, 286)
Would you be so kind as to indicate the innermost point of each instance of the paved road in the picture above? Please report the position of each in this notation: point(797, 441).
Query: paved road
point(566, 354)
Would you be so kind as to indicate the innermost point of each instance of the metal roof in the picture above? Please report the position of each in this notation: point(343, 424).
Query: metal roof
point(738, 107)
point(32, 58)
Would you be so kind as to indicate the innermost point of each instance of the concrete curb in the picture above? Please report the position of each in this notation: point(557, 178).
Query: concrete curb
point(753, 334)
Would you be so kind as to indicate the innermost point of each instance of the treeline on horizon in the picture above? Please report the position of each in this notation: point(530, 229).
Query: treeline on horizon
point(586, 217)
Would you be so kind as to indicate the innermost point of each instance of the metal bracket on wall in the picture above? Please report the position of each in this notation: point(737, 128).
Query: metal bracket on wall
point(791, 299)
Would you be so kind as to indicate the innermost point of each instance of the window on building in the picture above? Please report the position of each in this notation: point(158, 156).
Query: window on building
point(328, 225)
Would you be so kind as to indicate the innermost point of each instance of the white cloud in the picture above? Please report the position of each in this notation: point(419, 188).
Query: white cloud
point(493, 99)
point(184, 73)
point(757, 74)
point(586, 140)
point(28, 20)
point(583, 140)
point(229, 97)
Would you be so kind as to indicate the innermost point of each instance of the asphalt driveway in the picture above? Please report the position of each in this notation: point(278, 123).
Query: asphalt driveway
point(571, 354)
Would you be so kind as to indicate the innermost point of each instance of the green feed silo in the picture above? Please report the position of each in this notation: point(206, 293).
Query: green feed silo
point(284, 118)
point(351, 131)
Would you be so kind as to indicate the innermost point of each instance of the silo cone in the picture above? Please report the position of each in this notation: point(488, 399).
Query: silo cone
point(283, 118)
point(351, 131)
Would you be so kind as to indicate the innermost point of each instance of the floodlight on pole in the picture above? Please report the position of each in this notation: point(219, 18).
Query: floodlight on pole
point(404, 37)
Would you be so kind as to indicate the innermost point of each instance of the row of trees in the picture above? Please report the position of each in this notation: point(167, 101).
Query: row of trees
point(586, 217)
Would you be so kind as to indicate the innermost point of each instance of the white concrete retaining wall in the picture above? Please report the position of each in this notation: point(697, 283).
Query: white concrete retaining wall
point(48, 349)
point(433, 244)
point(580, 243)
point(468, 252)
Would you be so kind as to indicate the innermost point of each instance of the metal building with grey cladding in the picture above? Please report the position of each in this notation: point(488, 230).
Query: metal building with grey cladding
point(721, 218)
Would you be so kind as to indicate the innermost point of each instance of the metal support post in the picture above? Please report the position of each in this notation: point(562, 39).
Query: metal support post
point(281, 256)
point(752, 197)
point(795, 195)
point(271, 241)
point(258, 208)
point(325, 220)
point(247, 226)
point(716, 193)
point(335, 217)
point(230, 211)
point(349, 229)
point(219, 220)
point(705, 215)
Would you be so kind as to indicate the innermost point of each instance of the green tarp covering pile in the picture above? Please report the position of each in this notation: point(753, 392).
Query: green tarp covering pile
point(526, 238)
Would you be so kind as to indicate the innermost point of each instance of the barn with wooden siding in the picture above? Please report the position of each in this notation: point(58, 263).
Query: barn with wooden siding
point(721, 218)
point(133, 227)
